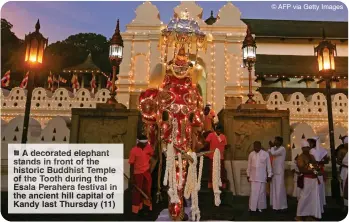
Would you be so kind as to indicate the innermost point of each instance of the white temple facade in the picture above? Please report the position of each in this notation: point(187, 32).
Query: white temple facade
point(141, 65)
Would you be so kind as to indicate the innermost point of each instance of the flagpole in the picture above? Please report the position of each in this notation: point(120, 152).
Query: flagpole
point(30, 87)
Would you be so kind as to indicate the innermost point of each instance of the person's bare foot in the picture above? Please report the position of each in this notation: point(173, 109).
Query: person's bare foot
point(298, 218)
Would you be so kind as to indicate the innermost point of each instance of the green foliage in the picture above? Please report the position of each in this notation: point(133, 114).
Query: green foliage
point(74, 50)
point(12, 52)
point(57, 56)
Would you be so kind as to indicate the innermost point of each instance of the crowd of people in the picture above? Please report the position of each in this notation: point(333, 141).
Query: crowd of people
point(269, 166)
point(264, 166)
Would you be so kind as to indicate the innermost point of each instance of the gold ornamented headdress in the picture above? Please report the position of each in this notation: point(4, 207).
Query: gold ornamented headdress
point(184, 15)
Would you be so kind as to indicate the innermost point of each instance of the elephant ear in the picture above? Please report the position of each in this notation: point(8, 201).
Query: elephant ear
point(149, 93)
point(148, 105)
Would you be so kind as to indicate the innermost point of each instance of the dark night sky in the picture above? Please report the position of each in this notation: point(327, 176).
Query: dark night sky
point(61, 19)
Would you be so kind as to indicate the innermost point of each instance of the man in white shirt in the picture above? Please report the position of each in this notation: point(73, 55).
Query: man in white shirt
point(258, 173)
point(321, 157)
point(278, 197)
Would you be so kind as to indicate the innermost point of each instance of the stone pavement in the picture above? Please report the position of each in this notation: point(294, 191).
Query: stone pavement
point(232, 208)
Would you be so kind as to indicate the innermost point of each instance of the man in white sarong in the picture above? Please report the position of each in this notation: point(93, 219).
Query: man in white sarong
point(259, 171)
point(295, 153)
point(321, 157)
point(278, 196)
point(309, 204)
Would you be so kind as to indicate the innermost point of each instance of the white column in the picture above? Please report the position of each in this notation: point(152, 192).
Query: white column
point(155, 52)
point(209, 71)
point(123, 84)
point(141, 61)
point(126, 60)
point(219, 75)
point(237, 84)
point(206, 58)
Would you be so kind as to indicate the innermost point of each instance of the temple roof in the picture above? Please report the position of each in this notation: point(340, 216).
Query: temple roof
point(297, 29)
point(86, 67)
point(293, 66)
point(211, 20)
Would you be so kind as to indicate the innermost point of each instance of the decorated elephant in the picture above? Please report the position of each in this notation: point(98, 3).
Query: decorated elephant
point(173, 115)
